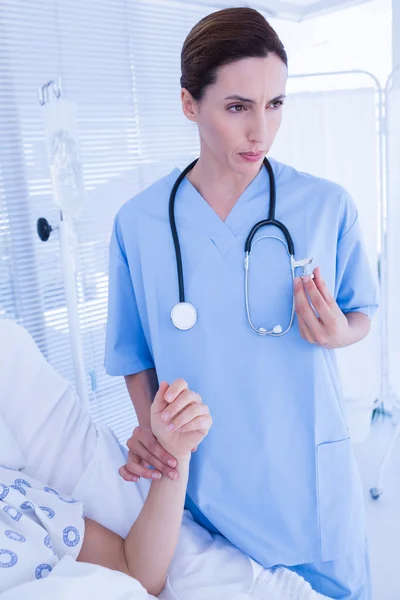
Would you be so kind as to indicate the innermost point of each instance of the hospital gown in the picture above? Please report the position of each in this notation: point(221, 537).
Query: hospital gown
point(38, 526)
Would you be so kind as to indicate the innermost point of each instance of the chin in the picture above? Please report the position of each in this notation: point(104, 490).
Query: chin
point(245, 168)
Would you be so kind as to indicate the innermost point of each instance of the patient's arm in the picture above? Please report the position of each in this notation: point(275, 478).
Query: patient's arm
point(147, 551)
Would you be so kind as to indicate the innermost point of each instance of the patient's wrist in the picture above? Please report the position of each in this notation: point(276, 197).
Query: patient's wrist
point(184, 459)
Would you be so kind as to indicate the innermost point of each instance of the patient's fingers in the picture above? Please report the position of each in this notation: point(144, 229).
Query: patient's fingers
point(186, 397)
point(188, 414)
point(200, 423)
point(176, 388)
point(159, 402)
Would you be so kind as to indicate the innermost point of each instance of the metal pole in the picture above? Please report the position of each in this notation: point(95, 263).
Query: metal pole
point(69, 280)
point(393, 400)
point(68, 272)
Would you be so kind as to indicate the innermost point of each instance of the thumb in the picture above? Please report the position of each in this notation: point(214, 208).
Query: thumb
point(159, 401)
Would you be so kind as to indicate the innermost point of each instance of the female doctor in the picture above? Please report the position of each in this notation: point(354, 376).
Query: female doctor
point(196, 291)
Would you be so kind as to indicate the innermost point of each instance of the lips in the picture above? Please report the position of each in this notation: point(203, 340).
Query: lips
point(252, 156)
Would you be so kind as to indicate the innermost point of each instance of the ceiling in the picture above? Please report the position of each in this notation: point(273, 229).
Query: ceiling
point(296, 10)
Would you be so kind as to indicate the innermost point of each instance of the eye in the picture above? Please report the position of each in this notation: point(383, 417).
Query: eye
point(236, 108)
point(276, 104)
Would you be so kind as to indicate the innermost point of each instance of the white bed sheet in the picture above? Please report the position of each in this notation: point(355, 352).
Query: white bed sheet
point(70, 580)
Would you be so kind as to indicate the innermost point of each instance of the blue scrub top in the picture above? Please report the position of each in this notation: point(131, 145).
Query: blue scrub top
point(276, 474)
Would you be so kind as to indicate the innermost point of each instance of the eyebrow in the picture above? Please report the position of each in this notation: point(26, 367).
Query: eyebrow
point(241, 99)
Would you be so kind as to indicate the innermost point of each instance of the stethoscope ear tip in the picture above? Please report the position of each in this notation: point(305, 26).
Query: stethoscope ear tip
point(277, 329)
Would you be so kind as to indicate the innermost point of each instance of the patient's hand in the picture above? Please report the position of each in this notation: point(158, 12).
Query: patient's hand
point(179, 419)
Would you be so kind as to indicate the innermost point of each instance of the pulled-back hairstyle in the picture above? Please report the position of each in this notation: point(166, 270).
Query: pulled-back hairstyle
point(221, 38)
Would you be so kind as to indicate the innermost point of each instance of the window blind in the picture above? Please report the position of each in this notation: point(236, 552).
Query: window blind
point(119, 61)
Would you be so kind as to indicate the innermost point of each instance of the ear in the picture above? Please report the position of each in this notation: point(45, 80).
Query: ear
point(189, 105)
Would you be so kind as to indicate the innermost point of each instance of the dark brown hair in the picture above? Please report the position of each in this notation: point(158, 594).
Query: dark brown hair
point(221, 38)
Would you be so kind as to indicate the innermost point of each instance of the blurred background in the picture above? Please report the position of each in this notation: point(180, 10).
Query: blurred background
point(116, 63)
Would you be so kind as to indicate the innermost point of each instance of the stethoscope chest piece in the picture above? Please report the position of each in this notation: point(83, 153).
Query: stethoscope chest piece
point(184, 316)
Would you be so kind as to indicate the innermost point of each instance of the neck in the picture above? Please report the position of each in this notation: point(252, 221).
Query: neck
point(218, 185)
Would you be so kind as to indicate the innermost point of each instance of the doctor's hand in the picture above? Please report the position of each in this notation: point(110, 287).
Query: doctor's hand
point(328, 328)
point(179, 419)
point(147, 458)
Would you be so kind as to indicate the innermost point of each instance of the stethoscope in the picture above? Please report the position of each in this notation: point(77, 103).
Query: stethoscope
point(184, 314)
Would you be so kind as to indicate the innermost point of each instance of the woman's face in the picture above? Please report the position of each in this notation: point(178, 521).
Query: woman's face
point(241, 112)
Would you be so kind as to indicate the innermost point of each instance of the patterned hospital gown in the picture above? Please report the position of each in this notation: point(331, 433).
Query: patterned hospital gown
point(38, 526)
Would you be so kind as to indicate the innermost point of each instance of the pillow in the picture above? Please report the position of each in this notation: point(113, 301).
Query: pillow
point(43, 415)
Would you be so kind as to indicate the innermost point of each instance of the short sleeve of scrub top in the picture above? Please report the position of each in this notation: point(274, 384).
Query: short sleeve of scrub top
point(127, 351)
point(356, 289)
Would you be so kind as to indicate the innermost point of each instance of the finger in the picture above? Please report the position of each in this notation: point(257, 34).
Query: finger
point(158, 451)
point(324, 311)
point(194, 449)
point(323, 288)
point(188, 414)
point(304, 309)
point(138, 433)
point(138, 470)
point(135, 467)
point(202, 423)
point(305, 331)
point(135, 450)
point(185, 398)
point(159, 399)
point(126, 475)
point(150, 451)
point(176, 388)
point(152, 461)
point(133, 441)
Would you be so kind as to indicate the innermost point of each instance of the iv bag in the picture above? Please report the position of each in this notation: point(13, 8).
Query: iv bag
point(62, 140)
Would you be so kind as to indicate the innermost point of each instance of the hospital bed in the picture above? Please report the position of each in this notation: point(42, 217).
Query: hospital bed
point(46, 432)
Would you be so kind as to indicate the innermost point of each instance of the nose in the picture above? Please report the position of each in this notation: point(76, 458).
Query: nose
point(258, 130)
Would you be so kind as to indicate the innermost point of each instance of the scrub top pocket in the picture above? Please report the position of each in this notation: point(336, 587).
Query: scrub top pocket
point(340, 501)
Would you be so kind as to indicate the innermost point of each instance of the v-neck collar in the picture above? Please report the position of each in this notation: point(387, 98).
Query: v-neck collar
point(192, 210)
